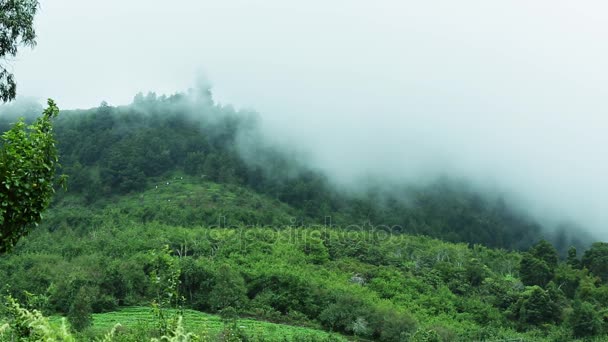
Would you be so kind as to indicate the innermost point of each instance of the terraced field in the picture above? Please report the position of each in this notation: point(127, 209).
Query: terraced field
point(205, 324)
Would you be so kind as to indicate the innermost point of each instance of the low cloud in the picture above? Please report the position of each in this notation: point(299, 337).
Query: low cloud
point(510, 96)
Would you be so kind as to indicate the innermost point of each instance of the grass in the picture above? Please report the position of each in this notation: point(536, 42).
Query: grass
point(198, 322)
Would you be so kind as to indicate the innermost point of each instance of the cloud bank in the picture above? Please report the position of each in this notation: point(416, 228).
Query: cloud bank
point(511, 95)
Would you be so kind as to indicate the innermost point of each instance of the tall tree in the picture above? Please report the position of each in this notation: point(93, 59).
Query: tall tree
point(545, 251)
point(537, 267)
point(16, 29)
point(535, 307)
point(534, 271)
point(595, 260)
point(28, 159)
point(572, 259)
point(28, 156)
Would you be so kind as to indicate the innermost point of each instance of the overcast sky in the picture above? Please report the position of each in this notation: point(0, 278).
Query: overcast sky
point(511, 94)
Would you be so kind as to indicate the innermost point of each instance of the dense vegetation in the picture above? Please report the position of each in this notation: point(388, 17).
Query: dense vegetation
point(174, 203)
point(377, 286)
point(111, 151)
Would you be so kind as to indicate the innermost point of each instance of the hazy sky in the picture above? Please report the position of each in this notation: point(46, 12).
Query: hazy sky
point(513, 94)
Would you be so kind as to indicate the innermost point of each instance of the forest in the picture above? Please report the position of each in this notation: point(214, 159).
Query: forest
point(176, 206)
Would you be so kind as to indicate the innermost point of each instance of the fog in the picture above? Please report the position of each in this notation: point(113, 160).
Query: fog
point(509, 95)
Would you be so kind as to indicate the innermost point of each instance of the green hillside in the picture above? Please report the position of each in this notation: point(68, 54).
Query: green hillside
point(175, 200)
point(360, 283)
point(113, 151)
point(167, 208)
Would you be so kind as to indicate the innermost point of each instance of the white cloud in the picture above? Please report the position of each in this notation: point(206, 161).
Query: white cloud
point(512, 93)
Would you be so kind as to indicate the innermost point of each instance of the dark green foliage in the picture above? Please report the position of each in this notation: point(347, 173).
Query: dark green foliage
point(80, 311)
point(109, 151)
point(265, 274)
point(595, 260)
point(573, 260)
point(196, 282)
point(537, 267)
point(534, 271)
point(166, 207)
point(344, 311)
point(584, 319)
point(568, 279)
point(194, 163)
point(350, 314)
point(28, 159)
point(285, 293)
point(229, 289)
point(475, 272)
point(393, 326)
point(502, 293)
point(544, 251)
point(535, 307)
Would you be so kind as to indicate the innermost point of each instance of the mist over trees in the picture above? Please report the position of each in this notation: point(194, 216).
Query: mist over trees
point(109, 151)
point(180, 202)
point(186, 219)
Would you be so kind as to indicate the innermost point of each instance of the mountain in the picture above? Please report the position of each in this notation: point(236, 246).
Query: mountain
point(166, 207)
point(111, 151)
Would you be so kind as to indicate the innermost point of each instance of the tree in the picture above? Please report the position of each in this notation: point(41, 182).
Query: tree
point(585, 320)
point(345, 310)
point(80, 310)
point(537, 267)
point(545, 251)
point(535, 307)
point(16, 29)
point(229, 289)
point(595, 260)
point(534, 271)
point(568, 279)
point(28, 159)
point(475, 272)
point(394, 326)
point(572, 258)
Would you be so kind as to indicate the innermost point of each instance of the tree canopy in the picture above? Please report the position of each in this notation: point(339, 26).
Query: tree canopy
point(28, 159)
point(16, 29)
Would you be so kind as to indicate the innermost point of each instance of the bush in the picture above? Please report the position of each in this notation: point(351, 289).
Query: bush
point(79, 315)
point(395, 326)
point(25, 325)
point(229, 289)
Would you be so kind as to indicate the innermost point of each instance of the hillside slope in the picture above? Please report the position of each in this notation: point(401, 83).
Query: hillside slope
point(113, 151)
point(380, 286)
point(175, 200)
point(167, 207)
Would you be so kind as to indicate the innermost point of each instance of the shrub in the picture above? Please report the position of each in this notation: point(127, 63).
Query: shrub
point(26, 325)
